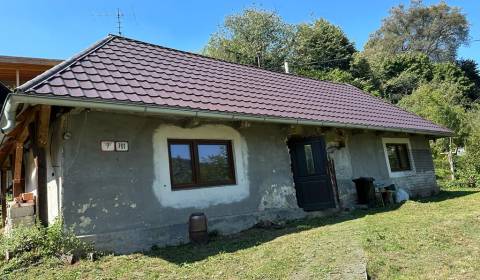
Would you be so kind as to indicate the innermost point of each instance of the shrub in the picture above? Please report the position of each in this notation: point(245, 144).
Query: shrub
point(28, 245)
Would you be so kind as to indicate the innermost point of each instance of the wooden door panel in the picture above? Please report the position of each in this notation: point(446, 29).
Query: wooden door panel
point(309, 166)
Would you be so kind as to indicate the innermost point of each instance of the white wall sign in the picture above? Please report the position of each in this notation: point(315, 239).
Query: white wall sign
point(121, 146)
point(107, 146)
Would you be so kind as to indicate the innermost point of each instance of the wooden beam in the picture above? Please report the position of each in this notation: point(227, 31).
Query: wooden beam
point(43, 125)
point(17, 176)
point(28, 114)
point(6, 149)
point(17, 130)
point(3, 193)
point(42, 201)
point(23, 136)
point(17, 75)
point(41, 136)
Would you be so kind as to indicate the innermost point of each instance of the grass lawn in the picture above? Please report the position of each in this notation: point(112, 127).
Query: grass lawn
point(434, 238)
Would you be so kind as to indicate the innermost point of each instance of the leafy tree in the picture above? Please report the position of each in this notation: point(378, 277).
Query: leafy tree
point(358, 74)
point(322, 45)
point(437, 31)
point(450, 73)
point(438, 102)
point(469, 165)
point(400, 74)
point(470, 69)
point(254, 37)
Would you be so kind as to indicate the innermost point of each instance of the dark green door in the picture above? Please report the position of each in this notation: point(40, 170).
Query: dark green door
point(310, 174)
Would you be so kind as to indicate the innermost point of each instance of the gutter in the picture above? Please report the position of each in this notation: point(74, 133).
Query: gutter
point(13, 100)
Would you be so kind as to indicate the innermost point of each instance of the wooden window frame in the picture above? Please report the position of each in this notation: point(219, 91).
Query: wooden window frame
point(193, 143)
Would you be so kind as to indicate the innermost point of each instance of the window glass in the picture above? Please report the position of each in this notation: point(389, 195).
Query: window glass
point(213, 163)
point(201, 163)
point(181, 164)
point(398, 157)
point(309, 159)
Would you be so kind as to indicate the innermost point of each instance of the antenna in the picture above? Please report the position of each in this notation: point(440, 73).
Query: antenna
point(119, 21)
point(119, 16)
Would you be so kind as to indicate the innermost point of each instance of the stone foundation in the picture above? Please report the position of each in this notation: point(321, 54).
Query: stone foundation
point(19, 214)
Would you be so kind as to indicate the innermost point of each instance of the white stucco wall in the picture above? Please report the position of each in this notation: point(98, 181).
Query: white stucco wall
point(30, 173)
point(203, 197)
point(54, 182)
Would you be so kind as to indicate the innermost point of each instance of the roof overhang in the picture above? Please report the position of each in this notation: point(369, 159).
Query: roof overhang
point(21, 98)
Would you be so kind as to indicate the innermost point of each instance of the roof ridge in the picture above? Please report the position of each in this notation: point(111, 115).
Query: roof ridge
point(65, 64)
point(233, 63)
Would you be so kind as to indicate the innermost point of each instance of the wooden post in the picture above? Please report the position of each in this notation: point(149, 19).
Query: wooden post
point(17, 78)
point(41, 162)
point(450, 159)
point(17, 175)
point(3, 188)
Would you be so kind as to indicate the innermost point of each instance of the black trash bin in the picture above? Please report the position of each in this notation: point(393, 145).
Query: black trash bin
point(365, 190)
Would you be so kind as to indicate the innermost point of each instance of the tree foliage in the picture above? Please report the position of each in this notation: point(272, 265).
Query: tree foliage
point(469, 164)
point(439, 103)
point(322, 45)
point(401, 74)
point(437, 31)
point(251, 36)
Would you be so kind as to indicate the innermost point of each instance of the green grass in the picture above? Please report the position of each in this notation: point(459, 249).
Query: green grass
point(436, 238)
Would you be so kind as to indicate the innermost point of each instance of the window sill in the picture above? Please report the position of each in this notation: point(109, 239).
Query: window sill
point(197, 187)
point(398, 174)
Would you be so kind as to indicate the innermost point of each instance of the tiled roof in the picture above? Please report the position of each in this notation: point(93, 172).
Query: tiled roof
point(122, 70)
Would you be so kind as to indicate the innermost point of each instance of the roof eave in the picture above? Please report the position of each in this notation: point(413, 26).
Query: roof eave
point(146, 109)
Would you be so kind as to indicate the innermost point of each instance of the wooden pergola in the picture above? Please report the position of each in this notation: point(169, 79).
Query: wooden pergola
point(15, 70)
point(31, 125)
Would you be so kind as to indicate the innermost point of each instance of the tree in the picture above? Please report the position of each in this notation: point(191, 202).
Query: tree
point(469, 165)
point(437, 31)
point(358, 74)
point(437, 102)
point(254, 37)
point(450, 73)
point(402, 73)
point(470, 68)
point(321, 45)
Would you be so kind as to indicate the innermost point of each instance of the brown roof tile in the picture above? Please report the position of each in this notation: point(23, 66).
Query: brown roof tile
point(127, 70)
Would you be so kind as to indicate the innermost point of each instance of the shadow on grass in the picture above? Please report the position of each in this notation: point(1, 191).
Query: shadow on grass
point(190, 253)
point(446, 195)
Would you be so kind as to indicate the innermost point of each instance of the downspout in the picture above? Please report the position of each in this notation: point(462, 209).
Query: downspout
point(10, 111)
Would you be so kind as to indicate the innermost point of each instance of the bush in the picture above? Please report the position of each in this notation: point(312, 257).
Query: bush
point(469, 170)
point(28, 245)
point(468, 167)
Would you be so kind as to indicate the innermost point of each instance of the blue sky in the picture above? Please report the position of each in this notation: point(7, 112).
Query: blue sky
point(59, 29)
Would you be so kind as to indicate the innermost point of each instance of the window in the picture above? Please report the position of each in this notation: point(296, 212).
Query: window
point(200, 163)
point(398, 154)
point(309, 159)
point(398, 157)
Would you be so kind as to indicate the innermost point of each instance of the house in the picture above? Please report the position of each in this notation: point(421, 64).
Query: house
point(126, 139)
